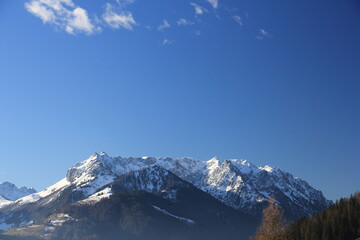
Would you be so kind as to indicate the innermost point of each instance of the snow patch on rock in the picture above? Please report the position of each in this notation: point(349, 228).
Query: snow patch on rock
point(97, 197)
point(187, 220)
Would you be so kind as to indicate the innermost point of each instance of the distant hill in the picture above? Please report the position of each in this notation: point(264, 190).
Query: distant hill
point(340, 221)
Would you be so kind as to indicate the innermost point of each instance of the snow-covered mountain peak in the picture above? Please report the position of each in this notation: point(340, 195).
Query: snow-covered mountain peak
point(235, 182)
point(7, 184)
point(246, 167)
point(242, 165)
point(152, 179)
point(11, 192)
point(213, 163)
point(227, 180)
point(103, 154)
point(88, 169)
point(98, 156)
point(215, 159)
point(267, 168)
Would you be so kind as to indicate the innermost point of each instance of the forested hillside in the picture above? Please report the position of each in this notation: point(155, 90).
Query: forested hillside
point(341, 221)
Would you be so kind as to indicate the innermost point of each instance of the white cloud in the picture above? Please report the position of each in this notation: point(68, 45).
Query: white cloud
point(123, 19)
point(199, 10)
point(165, 24)
point(214, 3)
point(62, 14)
point(123, 3)
point(46, 14)
point(183, 22)
point(167, 42)
point(238, 19)
point(263, 34)
point(80, 21)
point(197, 32)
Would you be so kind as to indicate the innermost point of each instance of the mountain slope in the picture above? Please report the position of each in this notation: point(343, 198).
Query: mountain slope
point(236, 183)
point(150, 203)
point(339, 221)
point(154, 200)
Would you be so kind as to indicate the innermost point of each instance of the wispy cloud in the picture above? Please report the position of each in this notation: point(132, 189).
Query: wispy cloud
point(147, 27)
point(197, 32)
point(214, 3)
point(184, 22)
point(199, 10)
point(118, 19)
point(67, 16)
point(165, 24)
point(62, 14)
point(168, 42)
point(238, 19)
point(123, 3)
point(263, 34)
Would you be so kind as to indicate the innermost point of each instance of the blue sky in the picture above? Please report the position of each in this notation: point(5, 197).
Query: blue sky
point(275, 82)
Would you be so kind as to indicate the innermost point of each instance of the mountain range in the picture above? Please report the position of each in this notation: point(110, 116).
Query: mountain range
point(10, 192)
point(183, 198)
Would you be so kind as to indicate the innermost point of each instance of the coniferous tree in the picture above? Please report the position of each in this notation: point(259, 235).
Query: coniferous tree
point(340, 221)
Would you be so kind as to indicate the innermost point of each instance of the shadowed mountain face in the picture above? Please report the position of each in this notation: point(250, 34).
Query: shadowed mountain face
point(153, 203)
point(176, 198)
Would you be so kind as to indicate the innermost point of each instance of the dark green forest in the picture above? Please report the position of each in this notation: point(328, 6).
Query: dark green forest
point(340, 221)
